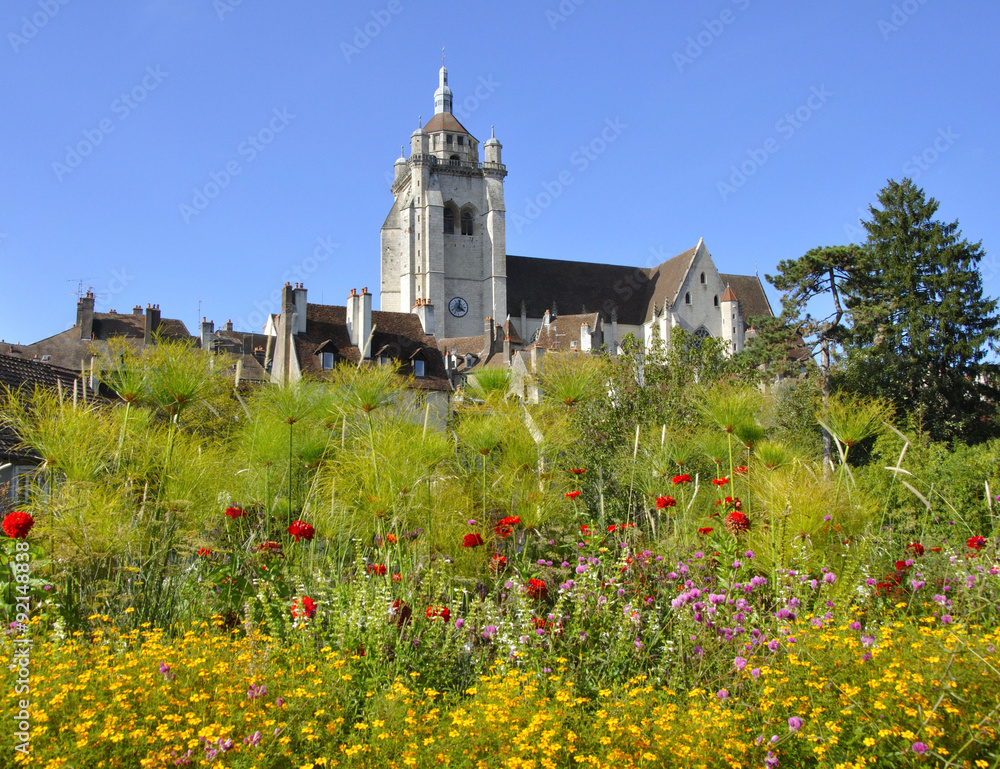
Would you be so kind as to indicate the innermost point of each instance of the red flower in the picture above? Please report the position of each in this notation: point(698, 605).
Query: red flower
point(497, 563)
point(682, 479)
point(472, 540)
point(620, 527)
point(269, 548)
point(435, 613)
point(706, 530)
point(612, 527)
point(17, 524)
point(741, 470)
point(400, 613)
point(662, 502)
point(976, 543)
point(935, 549)
point(391, 539)
point(720, 482)
point(377, 569)
point(572, 494)
point(304, 607)
point(578, 471)
point(235, 512)
point(536, 588)
point(204, 551)
point(584, 529)
point(901, 566)
point(506, 527)
point(397, 577)
point(301, 530)
point(737, 522)
point(916, 548)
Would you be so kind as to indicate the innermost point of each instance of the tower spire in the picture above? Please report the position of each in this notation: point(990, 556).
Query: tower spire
point(442, 96)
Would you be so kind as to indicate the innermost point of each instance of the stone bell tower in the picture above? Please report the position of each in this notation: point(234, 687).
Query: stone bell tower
point(444, 242)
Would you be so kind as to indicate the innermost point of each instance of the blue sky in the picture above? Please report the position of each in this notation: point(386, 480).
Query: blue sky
point(765, 128)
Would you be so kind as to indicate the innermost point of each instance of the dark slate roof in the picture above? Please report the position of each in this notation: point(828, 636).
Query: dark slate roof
point(26, 375)
point(750, 293)
point(462, 345)
point(398, 335)
point(665, 281)
point(575, 286)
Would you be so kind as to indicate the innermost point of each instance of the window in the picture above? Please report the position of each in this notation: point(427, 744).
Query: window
point(687, 298)
point(703, 279)
point(461, 140)
point(449, 222)
point(328, 361)
point(448, 139)
point(466, 223)
point(700, 334)
point(419, 368)
point(715, 301)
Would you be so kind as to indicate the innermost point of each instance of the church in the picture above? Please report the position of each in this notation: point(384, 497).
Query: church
point(444, 257)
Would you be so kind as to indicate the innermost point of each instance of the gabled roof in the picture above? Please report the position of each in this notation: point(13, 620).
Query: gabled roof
point(750, 292)
point(564, 330)
point(666, 280)
point(398, 335)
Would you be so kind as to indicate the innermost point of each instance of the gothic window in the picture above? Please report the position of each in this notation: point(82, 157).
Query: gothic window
point(687, 298)
point(700, 334)
point(466, 223)
point(703, 279)
point(449, 222)
point(715, 301)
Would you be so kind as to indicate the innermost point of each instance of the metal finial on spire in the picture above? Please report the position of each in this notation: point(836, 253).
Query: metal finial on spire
point(442, 55)
point(492, 133)
point(420, 121)
point(401, 153)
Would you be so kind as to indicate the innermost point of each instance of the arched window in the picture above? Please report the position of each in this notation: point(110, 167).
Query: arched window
point(466, 223)
point(687, 298)
point(715, 301)
point(703, 279)
point(700, 334)
point(449, 222)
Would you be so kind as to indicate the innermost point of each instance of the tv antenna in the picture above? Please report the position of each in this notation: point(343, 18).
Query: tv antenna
point(79, 285)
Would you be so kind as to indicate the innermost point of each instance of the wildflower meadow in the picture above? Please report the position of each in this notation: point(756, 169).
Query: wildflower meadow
point(633, 571)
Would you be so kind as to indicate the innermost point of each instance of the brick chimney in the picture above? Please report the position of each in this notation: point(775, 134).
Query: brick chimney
point(152, 322)
point(359, 320)
point(137, 310)
point(229, 325)
point(425, 311)
point(299, 301)
point(207, 333)
point(489, 338)
point(85, 315)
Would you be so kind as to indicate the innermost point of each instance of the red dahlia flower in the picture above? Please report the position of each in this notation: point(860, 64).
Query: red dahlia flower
point(506, 527)
point(916, 548)
point(536, 588)
point(578, 471)
point(16, 525)
point(235, 512)
point(665, 501)
point(497, 563)
point(400, 613)
point(572, 494)
point(301, 530)
point(472, 540)
point(901, 566)
point(682, 479)
point(304, 607)
point(720, 482)
point(377, 569)
point(976, 543)
point(584, 529)
point(706, 530)
point(737, 522)
point(435, 613)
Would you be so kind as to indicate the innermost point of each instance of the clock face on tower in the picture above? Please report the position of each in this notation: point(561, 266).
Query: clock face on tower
point(458, 307)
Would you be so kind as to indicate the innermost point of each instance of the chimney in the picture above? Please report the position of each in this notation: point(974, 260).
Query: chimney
point(299, 300)
point(152, 322)
point(489, 338)
point(425, 311)
point(85, 315)
point(137, 310)
point(229, 325)
point(359, 320)
point(507, 354)
point(207, 333)
point(585, 340)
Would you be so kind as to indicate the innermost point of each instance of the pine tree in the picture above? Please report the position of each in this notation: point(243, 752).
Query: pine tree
point(922, 329)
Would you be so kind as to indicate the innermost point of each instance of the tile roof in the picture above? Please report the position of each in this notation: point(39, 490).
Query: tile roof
point(750, 292)
point(445, 121)
point(398, 335)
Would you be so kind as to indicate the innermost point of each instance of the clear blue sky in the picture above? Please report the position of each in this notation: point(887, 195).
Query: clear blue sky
point(116, 113)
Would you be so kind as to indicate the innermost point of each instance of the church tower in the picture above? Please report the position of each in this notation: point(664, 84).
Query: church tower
point(443, 243)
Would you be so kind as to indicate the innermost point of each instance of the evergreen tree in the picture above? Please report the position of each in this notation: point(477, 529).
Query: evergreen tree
point(922, 328)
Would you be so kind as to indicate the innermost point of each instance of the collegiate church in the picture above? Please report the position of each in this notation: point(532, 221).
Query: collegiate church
point(444, 257)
